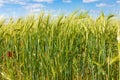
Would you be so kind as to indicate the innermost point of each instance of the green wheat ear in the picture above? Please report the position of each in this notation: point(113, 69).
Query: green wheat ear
point(118, 38)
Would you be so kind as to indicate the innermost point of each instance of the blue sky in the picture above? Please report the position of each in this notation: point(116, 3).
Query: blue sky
point(17, 8)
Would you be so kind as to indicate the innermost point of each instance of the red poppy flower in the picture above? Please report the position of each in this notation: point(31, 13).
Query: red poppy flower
point(9, 54)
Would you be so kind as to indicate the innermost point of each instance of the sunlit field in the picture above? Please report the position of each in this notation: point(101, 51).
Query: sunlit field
point(73, 47)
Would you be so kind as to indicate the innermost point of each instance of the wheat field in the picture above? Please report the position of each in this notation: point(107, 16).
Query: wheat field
point(73, 47)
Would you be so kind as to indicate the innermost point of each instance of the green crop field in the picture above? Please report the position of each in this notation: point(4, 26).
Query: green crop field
point(73, 47)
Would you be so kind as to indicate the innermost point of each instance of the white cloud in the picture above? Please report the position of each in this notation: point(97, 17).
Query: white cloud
point(117, 1)
point(35, 10)
point(104, 5)
point(20, 2)
point(101, 5)
point(2, 1)
point(67, 1)
point(48, 1)
point(1, 5)
point(88, 1)
point(34, 7)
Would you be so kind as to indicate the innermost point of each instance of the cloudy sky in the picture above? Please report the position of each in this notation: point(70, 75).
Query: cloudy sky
point(25, 7)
